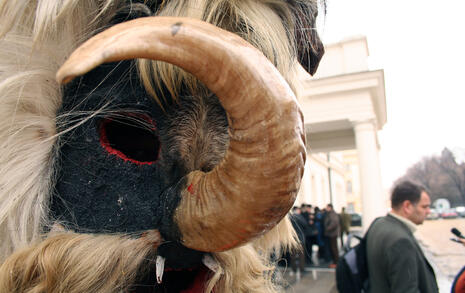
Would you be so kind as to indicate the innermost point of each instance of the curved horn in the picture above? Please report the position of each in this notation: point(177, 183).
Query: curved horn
point(256, 183)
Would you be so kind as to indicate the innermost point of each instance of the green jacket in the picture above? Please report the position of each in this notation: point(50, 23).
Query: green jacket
point(396, 263)
point(345, 222)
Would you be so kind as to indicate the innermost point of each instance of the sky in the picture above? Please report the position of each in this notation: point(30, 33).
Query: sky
point(420, 44)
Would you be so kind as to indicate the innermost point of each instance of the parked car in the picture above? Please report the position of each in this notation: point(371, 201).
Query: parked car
point(433, 215)
point(449, 214)
point(355, 219)
point(460, 211)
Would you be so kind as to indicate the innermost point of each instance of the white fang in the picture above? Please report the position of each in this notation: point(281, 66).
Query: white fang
point(159, 268)
point(210, 263)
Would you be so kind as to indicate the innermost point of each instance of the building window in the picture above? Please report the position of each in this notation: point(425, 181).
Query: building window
point(349, 186)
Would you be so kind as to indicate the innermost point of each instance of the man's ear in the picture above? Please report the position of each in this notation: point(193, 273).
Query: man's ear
point(407, 207)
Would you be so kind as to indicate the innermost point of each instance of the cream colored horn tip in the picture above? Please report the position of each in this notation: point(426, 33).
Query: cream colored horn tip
point(63, 76)
point(65, 80)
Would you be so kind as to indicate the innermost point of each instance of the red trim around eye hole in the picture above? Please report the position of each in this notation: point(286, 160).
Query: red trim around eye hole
point(106, 144)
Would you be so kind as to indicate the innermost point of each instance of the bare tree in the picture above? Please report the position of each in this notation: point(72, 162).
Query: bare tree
point(456, 172)
point(441, 175)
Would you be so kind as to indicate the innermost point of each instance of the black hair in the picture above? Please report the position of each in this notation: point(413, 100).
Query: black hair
point(406, 190)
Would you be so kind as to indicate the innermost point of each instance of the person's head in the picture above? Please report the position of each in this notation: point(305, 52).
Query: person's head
point(410, 201)
point(296, 210)
point(311, 210)
point(304, 208)
point(329, 207)
point(343, 210)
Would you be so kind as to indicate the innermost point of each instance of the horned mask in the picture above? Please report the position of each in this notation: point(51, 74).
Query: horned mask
point(150, 147)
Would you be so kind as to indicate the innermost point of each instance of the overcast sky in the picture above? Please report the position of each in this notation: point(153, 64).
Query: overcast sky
point(420, 44)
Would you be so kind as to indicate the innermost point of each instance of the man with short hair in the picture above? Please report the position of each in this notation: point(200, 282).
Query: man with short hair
point(396, 262)
point(332, 231)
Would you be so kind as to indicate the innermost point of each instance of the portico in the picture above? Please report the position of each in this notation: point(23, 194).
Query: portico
point(344, 106)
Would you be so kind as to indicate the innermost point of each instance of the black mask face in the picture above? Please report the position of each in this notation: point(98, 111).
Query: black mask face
point(122, 158)
point(110, 175)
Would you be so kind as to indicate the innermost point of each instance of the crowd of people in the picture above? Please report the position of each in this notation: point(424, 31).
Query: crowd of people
point(395, 261)
point(320, 228)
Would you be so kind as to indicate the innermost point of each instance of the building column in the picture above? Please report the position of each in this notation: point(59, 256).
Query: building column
point(304, 195)
point(373, 198)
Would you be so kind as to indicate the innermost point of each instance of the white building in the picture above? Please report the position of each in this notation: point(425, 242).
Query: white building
point(344, 106)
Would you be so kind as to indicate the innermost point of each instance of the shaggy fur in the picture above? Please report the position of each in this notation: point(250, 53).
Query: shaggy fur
point(36, 38)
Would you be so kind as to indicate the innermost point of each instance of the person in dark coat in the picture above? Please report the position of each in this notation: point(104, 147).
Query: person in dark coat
point(311, 239)
point(310, 231)
point(332, 231)
point(320, 238)
point(305, 211)
point(300, 225)
point(396, 262)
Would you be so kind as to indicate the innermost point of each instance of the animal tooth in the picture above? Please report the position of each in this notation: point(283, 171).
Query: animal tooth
point(210, 263)
point(159, 268)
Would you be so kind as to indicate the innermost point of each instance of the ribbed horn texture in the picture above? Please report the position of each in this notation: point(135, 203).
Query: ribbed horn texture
point(257, 182)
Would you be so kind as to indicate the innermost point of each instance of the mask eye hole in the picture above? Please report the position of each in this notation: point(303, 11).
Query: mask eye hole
point(131, 137)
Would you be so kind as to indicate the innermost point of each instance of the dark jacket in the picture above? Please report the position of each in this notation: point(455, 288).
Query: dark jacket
point(331, 222)
point(396, 263)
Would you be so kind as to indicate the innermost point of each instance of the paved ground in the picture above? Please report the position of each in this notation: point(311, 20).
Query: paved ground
point(446, 256)
point(314, 280)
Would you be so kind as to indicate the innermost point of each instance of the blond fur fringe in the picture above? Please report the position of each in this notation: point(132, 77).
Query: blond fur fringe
point(76, 263)
point(35, 39)
point(72, 262)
